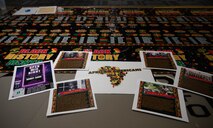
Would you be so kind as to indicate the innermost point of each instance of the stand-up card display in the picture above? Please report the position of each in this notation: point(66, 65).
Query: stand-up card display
point(160, 99)
point(71, 96)
point(31, 79)
point(195, 81)
point(158, 60)
point(72, 60)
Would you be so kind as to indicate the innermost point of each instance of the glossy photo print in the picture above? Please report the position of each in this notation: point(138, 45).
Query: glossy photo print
point(158, 60)
point(71, 96)
point(72, 60)
point(31, 79)
point(26, 11)
point(195, 81)
point(160, 99)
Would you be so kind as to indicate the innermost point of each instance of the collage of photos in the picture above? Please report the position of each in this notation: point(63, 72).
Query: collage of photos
point(65, 96)
point(154, 53)
point(159, 91)
point(162, 64)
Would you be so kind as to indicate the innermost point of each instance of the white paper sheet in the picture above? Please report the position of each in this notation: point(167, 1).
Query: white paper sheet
point(126, 85)
point(73, 58)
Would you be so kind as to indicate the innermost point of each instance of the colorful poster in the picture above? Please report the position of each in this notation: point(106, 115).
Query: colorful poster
point(11, 56)
point(71, 96)
point(160, 99)
point(32, 79)
point(116, 77)
point(158, 60)
point(199, 58)
point(195, 81)
point(72, 60)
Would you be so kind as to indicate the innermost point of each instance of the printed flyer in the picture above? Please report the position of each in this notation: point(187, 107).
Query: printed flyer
point(32, 79)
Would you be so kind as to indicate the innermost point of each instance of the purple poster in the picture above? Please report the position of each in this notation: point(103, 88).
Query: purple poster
point(31, 79)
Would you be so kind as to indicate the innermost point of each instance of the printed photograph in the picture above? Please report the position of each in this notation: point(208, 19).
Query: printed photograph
point(160, 99)
point(72, 60)
point(158, 60)
point(164, 76)
point(195, 81)
point(70, 97)
point(26, 11)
